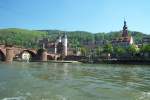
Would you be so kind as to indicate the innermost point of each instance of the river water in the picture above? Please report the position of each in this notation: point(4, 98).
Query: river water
point(64, 81)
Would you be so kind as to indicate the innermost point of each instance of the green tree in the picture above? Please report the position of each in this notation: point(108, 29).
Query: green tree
point(132, 49)
point(84, 51)
point(108, 48)
point(119, 51)
point(98, 50)
point(145, 48)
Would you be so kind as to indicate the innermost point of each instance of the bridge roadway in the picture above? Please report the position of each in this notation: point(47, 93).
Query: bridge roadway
point(8, 53)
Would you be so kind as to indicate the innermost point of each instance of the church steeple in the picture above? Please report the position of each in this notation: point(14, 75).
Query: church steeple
point(125, 30)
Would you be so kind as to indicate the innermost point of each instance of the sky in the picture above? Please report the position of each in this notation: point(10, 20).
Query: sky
point(72, 15)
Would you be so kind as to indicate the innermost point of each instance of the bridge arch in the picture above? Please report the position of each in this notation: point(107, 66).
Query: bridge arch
point(29, 53)
point(50, 57)
point(2, 56)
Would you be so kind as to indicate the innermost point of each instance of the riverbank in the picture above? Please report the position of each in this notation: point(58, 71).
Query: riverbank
point(118, 61)
point(51, 61)
point(62, 61)
point(98, 61)
point(139, 62)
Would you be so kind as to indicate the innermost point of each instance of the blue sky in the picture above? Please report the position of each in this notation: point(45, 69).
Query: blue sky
point(70, 15)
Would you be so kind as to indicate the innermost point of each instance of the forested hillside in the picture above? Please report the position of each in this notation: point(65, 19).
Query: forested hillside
point(20, 37)
point(30, 38)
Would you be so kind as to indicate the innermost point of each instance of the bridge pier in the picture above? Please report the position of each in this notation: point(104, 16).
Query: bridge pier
point(9, 54)
point(44, 55)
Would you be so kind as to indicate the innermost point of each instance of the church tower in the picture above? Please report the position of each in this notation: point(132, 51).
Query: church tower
point(59, 40)
point(125, 30)
point(65, 44)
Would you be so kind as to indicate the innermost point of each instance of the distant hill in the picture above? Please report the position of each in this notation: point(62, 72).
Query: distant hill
point(87, 36)
point(21, 37)
point(29, 38)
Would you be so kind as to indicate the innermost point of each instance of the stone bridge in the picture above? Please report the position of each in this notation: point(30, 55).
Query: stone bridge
point(8, 53)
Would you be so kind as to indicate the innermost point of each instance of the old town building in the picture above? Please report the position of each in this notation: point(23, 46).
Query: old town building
point(125, 40)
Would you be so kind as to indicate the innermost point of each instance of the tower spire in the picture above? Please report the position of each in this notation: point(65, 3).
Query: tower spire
point(125, 23)
point(125, 29)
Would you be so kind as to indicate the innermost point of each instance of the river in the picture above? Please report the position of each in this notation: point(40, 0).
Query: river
point(64, 81)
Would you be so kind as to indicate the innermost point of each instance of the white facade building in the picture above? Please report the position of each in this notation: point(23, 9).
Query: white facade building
point(64, 42)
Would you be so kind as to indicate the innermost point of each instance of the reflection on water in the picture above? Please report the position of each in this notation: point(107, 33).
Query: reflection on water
point(58, 81)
